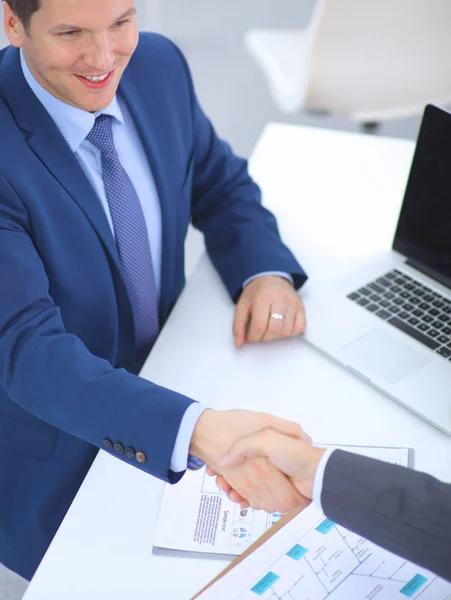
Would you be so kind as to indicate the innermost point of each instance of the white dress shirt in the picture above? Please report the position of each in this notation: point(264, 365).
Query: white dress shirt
point(319, 478)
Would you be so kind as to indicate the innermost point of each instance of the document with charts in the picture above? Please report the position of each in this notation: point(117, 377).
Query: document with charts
point(195, 516)
point(312, 558)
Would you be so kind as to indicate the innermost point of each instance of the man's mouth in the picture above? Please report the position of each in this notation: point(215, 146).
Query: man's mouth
point(96, 77)
point(96, 81)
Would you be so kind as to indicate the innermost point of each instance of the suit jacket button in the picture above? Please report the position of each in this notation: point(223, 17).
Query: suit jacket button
point(130, 453)
point(107, 444)
point(141, 457)
point(118, 448)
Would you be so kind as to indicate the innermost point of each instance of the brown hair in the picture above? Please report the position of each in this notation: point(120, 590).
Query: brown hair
point(24, 9)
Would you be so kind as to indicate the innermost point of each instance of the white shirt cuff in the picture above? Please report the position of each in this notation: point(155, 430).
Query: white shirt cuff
point(179, 458)
point(276, 273)
point(319, 478)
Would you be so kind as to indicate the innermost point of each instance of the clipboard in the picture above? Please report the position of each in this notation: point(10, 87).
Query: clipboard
point(287, 517)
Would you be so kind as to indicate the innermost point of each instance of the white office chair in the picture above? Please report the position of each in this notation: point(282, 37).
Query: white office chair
point(369, 60)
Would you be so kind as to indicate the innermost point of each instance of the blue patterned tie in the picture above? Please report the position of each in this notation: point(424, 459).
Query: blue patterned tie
point(131, 237)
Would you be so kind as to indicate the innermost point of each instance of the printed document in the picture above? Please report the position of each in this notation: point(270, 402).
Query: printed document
point(196, 516)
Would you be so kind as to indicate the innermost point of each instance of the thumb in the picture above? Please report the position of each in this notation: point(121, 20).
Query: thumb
point(249, 446)
point(284, 452)
point(289, 428)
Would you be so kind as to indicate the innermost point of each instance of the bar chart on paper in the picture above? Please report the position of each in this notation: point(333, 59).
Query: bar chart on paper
point(312, 558)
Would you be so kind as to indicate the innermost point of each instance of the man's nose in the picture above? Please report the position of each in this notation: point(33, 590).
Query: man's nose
point(99, 53)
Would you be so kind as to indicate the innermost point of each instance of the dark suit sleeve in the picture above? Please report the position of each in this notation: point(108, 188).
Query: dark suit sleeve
point(406, 512)
point(241, 236)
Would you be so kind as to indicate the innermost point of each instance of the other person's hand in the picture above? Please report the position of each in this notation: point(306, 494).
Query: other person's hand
point(296, 458)
point(255, 481)
point(269, 308)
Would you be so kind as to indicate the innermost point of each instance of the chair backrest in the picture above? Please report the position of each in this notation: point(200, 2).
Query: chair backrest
point(383, 58)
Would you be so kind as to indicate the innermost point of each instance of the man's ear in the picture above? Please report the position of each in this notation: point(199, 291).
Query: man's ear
point(14, 28)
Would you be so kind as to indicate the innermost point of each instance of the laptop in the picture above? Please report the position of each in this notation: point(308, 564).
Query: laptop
point(389, 322)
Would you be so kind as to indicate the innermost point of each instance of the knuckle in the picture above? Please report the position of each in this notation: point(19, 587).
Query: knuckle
point(274, 329)
point(267, 437)
point(266, 421)
point(301, 316)
point(294, 302)
point(299, 326)
point(268, 337)
point(292, 503)
point(259, 326)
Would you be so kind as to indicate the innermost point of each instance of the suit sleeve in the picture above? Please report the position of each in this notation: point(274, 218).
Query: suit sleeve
point(241, 236)
point(52, 375)
point(401, 510)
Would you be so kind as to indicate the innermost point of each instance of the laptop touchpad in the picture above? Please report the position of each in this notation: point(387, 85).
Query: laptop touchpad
point(382, 354)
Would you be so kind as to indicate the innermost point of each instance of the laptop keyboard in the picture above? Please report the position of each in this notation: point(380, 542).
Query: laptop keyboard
point(410, 306)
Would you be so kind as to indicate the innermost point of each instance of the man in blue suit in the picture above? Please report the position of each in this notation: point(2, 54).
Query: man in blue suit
point(105, 157)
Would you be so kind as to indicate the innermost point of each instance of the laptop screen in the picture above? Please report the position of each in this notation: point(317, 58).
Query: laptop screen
point(423, 234)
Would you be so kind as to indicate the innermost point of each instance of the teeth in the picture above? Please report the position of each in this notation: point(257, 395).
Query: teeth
point(99, 78)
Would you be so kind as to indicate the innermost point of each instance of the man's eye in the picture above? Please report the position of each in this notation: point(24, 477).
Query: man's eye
point(71, 33)
point(122, 23)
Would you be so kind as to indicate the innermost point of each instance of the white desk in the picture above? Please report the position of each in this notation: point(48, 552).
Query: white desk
point(336, 196)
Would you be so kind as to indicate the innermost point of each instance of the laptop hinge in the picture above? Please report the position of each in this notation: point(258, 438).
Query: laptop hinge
point(443, 279)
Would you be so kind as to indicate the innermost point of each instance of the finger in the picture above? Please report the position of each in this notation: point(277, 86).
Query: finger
point(285, 427)
point(277, 492)
point(289, 320)
point(241, 320)
point(210, 471)
point(259, 318)
point(263, 485)
point(248, 447)
point(284, 452)
point(235, 497)
point(223, 485)
point(275, 325)
point(300, 322)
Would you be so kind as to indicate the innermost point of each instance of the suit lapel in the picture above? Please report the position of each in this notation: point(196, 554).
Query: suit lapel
point(47, 143)
point(144, 114)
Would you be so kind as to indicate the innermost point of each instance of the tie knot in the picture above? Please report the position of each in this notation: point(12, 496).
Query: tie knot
point(101, 135)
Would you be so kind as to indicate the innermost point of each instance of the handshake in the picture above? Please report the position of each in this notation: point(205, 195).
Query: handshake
point(259, 460)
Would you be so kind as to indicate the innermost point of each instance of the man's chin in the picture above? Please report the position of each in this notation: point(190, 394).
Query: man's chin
point(94, 105)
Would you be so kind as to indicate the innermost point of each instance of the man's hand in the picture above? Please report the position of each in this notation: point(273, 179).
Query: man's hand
point(294, 457)
point(256, 480)
point(263, 296)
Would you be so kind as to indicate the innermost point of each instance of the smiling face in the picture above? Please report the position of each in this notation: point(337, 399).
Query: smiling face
point(77, 49)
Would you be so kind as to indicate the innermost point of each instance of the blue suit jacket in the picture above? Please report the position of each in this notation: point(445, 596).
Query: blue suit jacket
point(65, 320)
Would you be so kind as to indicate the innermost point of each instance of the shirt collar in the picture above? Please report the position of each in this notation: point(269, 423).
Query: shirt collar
point(74, 123)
